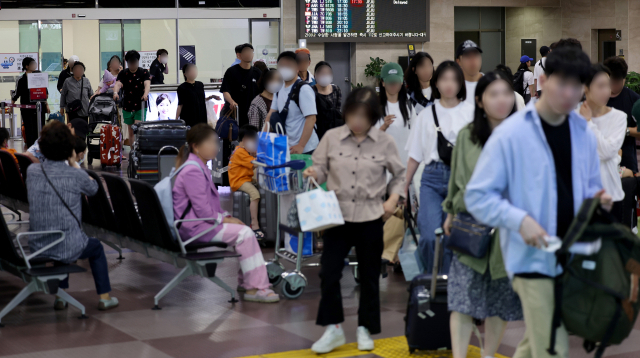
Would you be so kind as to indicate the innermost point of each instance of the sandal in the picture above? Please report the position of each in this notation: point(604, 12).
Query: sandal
point(259, 234)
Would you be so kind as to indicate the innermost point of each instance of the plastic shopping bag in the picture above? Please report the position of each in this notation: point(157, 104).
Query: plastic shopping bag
point(318, 209)
point(409, 255)
point(291, 243)
point(212, 117)
point(273, 149)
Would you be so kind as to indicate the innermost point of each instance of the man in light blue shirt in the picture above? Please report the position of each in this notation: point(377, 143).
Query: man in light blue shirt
point(301, 120)
point(530, 180)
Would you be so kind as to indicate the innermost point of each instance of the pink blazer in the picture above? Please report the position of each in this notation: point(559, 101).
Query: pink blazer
point(192, 185)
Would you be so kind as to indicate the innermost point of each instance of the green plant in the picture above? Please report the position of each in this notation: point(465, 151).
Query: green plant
point(357, 85)
point(633, 81)
point(374, 67)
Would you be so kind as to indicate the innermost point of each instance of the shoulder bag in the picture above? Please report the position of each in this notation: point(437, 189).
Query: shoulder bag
point(470, 237)
point(445, 148)
point(76, 105)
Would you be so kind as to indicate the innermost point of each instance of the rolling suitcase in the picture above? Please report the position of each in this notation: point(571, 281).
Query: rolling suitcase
point(153, 136)
point(93, 141)
point(427, 319)
point(110, 139)
point(222, 160)
point(268, 214)
point(241, 207)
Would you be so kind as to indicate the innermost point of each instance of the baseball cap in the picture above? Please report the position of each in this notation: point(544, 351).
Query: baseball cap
point(525, 58)
point(73, 58)
point(391, 73)
point(466, 46)
point(544, 50)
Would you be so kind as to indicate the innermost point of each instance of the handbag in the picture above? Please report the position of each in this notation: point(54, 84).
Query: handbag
point(409, 255)
point(445, 148)
point(227, 125)
point(470, 237)
point(76, 105)
point(318, 209)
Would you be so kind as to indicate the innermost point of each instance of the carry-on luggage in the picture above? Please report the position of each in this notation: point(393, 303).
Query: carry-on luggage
point(427, 319)
point(145, 166)
point(110, 150)
point(222, 160)
point(153, 136)
point(93, 140)
point(267, 211)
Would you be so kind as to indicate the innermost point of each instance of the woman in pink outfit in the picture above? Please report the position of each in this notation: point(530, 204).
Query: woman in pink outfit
point(195, 194)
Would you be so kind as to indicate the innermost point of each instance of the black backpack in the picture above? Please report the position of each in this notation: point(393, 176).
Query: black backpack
point(328, 116)
point(518, 82)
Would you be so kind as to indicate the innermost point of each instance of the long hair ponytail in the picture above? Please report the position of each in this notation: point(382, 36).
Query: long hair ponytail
point(196, 135)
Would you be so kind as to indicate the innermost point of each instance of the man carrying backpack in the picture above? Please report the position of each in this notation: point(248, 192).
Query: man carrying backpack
point(538, 69)
point(534, 172)
point(523, 79)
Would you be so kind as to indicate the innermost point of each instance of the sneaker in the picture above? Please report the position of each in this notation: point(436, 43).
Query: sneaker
point(332, 338)
point(262, 296)
point(365, 343)
point(108, 304)
point(60, 304)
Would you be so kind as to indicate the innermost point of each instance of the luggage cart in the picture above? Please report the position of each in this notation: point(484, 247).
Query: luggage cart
point(294, 281)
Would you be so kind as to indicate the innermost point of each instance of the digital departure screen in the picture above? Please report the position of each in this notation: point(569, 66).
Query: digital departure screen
point(363, 20)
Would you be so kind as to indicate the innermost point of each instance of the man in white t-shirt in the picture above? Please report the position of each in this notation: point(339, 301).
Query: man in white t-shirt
point(469, 57)
point(538, 69)
point(301, 115)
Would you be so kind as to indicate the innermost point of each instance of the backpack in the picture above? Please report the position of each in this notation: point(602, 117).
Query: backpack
point(518, 82)
point(280, 117)
point(597, 295)
point(164, 189)
point(541, 65)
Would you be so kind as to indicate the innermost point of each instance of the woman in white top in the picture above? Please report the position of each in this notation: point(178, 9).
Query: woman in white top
point(418, 79)
point(527, 78)
point(452, 114)
point(397, 110)
point(610, 127)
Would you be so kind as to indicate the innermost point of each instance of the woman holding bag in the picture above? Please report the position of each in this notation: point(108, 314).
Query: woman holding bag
point(353, 160)
point(478, 288)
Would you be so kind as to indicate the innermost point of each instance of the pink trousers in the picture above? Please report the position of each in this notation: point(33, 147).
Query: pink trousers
point(253, 272)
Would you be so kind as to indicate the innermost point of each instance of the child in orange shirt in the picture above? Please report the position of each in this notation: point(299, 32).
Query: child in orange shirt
point(241, 172)
point(4, 143)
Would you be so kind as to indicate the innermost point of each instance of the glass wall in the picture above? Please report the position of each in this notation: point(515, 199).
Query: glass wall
point(28, 34)
point(215, 42)
point(131, 29)
point(110, 41)
point(265, 40)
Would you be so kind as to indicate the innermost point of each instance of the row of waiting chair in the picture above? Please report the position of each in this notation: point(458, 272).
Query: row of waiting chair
point(115, 219)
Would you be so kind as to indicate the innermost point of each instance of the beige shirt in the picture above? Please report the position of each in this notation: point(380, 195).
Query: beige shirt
point(357, 172)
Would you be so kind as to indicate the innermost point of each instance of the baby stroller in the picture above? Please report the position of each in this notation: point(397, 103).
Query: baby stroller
point(102, 110)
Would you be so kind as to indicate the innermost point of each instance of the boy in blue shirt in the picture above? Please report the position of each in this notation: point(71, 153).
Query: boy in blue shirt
point(530, 180)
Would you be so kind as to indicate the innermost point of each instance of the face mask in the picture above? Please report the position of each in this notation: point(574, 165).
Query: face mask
point(324, 80)
point(274, 87)
point(287, 73)
point(164, 60)
point(250, 146)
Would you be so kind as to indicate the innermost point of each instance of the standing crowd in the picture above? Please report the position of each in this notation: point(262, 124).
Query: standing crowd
point(518, 153)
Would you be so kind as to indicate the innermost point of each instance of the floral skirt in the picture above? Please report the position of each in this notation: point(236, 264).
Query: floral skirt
point(478, 296)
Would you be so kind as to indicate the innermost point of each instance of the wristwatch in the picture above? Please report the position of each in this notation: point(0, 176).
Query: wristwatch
point(628, 132)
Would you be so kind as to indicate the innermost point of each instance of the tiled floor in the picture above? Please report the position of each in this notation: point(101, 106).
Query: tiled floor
point(196, 320)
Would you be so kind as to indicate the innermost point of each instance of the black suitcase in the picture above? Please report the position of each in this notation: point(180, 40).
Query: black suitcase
point(152, 136)
point(222, 160)
point(427, 319)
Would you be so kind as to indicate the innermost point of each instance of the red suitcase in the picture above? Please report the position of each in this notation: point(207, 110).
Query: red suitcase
point(110, 138)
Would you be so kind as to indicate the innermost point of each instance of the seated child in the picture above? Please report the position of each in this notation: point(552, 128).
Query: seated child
point(4, 143)
point(241, 172)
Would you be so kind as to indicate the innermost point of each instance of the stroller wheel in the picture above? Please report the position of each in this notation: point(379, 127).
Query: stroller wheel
point(118, 165)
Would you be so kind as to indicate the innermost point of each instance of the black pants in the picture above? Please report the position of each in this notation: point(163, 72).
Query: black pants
point(99, 268)
point(31, 125)
point(367, 239)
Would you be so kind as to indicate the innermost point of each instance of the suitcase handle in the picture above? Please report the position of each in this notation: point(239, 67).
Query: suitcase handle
point(436, 261)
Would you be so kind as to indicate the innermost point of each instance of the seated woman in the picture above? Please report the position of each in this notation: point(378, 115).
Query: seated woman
point(55, 200)
point(195, 197)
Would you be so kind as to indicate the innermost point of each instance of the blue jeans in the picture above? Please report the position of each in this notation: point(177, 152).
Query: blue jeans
point(99, 269)
point(433, 190)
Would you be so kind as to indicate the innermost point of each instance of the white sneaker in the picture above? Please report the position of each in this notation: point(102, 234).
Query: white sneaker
point(332, 338)
point(365, 343)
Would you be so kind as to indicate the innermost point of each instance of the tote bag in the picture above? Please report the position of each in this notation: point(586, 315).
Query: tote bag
point(273, 149)
point(318, 209)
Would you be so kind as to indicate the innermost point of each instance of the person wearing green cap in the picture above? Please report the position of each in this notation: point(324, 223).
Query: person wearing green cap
point(398, 114)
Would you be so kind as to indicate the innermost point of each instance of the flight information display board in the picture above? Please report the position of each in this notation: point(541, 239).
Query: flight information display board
point(363, 20)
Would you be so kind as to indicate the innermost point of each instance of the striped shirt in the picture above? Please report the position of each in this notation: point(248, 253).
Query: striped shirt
point(47, 212)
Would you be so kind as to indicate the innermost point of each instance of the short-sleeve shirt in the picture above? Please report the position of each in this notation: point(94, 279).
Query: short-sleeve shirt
point(538, 70)
point(296, 117)
point(191, 98)
point(527, 80)
point(242, 86)
point(133, 85)
point(156, 71)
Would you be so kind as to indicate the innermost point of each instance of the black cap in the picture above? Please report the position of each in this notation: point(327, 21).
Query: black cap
point(466, 46)
point(80, 126)
point(544, 50)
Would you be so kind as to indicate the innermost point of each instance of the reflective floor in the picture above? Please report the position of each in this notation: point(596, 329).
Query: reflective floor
point(197, 321)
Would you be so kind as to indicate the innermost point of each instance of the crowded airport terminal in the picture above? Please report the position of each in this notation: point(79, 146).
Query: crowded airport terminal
point(319, 178)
